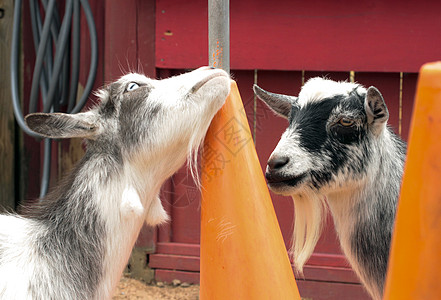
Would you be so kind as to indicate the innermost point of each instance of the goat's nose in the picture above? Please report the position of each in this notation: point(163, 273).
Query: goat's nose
point(277, 162)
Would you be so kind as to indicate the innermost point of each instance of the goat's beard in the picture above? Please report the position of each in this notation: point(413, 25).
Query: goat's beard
point(309, 212)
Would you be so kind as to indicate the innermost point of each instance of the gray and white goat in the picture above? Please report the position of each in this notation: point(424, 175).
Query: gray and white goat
point(76, 242)
point(338, 153)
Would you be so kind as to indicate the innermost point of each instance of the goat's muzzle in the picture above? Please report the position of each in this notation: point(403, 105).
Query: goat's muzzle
point(277, 181)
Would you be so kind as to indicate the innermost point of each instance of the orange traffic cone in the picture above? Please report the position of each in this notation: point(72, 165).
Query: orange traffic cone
point(415, 261)
point(243, 255)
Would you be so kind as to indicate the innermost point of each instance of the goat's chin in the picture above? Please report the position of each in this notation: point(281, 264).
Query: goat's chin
point(309, 212)
point(281, 190)
point(286, 190)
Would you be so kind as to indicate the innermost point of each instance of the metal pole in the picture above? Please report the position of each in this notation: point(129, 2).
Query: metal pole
point(219, 34)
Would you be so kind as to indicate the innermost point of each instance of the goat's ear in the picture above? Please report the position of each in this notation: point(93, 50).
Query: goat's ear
point(376, 110)
point(59, 125)
point(280, 104)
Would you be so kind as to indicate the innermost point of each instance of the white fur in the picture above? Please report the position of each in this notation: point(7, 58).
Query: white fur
point(318, 88)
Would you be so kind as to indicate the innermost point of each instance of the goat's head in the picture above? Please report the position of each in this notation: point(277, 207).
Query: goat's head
point(326, 147)
point(331, 125)
point(145, 120)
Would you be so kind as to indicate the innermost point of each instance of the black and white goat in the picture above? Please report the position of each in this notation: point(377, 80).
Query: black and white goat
point(76, 242)
point(338, 153)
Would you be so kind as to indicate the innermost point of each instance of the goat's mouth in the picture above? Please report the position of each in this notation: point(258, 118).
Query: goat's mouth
point(281, 182)
point(216, 73)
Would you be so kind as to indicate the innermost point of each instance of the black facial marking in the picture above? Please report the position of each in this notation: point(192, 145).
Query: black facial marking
point(310, 122)
point(356, 132)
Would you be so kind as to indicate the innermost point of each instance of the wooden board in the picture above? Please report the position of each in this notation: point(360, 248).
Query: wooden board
point(374, 35)
point(319, 290)
point(170, 275)
point(185, 257)
point(309, 289)
point(129, 45)
point(7, 125)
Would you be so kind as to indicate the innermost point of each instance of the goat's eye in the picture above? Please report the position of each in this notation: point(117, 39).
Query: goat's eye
point(132, 86)
point(346, 122)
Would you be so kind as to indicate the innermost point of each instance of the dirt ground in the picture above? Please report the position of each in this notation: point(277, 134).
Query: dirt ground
point(129, 288)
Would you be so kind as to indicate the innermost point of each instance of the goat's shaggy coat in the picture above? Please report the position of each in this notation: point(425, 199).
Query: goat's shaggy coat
point(338, 153)
point(76, 242)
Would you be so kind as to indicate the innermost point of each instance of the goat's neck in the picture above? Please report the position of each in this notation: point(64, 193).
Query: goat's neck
point(359, 203)
point(341, 204)
point(377, 190)
point(364, 215)
point(99, 210)
point(356, 211)
point(135, 201)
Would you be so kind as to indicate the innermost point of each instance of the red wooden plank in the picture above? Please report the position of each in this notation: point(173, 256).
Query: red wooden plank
point(330, 274)
point(146, 37)
point(331, 291)
point(245, 80)
point(185, 208)
point(164, 230)
point(121, 38)
point(193, 277)
point(178, 249)
point(330, 270)
point(317, 259)
point(98, 12)
point(308, 289)
point(147, 238)
point(314, 35)
point(409, 90)
point(174, 262)
point(30, 171)
point(337, 76)
point(170, 275)
point(329, 260)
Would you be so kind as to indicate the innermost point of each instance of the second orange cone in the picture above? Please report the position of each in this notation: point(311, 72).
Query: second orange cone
point(415, 261)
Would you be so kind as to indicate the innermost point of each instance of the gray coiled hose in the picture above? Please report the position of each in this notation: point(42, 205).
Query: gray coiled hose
point(51, 73)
